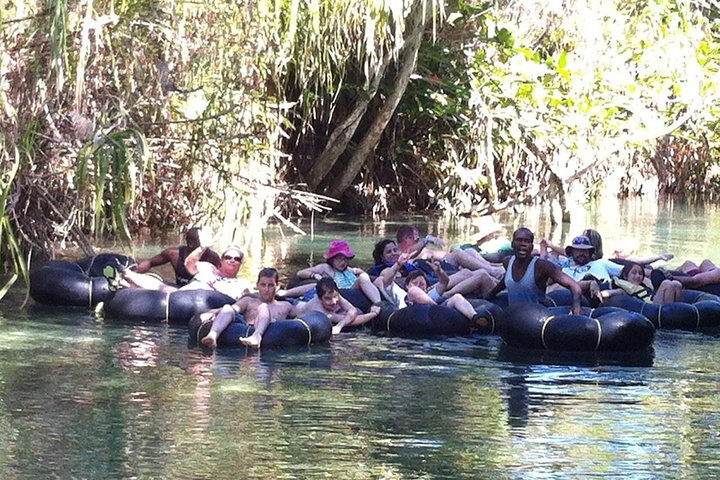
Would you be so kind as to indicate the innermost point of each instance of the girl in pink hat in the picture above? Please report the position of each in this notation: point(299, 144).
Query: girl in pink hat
point(337, 267)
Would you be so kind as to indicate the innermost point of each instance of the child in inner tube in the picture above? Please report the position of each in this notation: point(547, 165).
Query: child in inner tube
point(337, 267)
point(339, 311)
point(631, 282)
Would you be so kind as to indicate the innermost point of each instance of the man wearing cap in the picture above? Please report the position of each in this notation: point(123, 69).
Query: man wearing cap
point(591, 274)
point(527, 276)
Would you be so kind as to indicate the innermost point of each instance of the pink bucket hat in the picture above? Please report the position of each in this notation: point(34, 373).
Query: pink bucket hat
point(339, 247)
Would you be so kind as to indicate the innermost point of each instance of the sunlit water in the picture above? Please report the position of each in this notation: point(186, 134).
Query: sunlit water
point(86, 398)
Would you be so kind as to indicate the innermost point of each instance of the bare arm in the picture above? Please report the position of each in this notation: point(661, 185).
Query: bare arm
point(443, 278)
point(192, 260)
point(389, 274)
point(341, 320)
point(160, 259)
point(316, 272)
point(556, 274)
point(649, 260)
point(416, 249)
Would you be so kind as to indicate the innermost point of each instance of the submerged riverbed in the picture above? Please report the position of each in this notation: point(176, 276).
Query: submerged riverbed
point(81, 397)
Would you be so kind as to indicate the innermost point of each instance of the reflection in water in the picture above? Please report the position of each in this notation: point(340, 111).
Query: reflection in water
point(80, 398)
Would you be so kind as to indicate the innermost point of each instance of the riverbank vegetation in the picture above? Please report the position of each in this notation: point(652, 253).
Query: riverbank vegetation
point(131, 116)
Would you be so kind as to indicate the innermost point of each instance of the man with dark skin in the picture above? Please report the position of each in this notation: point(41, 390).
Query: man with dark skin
point(527, 276)
point(176, 256)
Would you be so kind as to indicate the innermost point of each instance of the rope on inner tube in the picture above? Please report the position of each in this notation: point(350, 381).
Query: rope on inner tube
point(387, 326)
point(90, 292)
point(542, 334)
point(697, 316)
point(167, 307)
point(308, 329)
point(492, 318)
point(599, 327)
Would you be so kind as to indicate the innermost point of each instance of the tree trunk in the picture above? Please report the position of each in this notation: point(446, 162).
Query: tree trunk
point(343, 133)
point(406, 66)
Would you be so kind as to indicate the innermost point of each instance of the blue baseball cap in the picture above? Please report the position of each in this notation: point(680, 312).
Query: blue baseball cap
point(581, 243)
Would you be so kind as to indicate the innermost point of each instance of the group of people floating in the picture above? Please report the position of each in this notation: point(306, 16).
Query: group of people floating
point(414, 270)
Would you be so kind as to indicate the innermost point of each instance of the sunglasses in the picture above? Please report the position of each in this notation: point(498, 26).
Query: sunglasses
point(228, 257)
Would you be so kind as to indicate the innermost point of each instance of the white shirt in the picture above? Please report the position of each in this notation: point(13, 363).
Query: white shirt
point(601, 269)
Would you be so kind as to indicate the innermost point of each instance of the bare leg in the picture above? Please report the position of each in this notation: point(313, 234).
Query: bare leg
point(480, 281)
point(669, 291)
point(701, 279)
point(261, 323)
point(298, 291)
point(222, 320)
point(418, 295)
point(707, 265)
point(364, 283)
point(688, 266)
point(458, 277)
point(148, 282)
point(459, 303)
point(463, 258)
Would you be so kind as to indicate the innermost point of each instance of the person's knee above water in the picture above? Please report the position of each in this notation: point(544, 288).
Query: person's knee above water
point(526, 276)
point(409, 242)
point(248, 308)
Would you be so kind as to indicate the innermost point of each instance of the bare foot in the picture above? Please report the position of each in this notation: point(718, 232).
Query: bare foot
point(336, 329)
point(210, 340)
point(251, 341)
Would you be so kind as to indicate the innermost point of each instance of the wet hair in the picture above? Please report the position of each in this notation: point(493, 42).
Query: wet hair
point(629, 266)
point(595, 241)
point(269, 272)
point(326, 285)
point(415, 274)
point(379, 249)
point(404, 231)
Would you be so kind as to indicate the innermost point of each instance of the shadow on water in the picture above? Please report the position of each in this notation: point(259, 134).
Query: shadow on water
point(519, 356)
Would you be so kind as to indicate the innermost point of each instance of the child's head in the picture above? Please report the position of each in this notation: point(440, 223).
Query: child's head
point(633, 273)
point(339, 254)
point(267, 284)
point(328, 293)
point(385, 251)
point(417, 278)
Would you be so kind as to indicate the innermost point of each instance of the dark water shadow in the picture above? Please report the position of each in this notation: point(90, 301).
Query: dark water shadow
point(520, 356)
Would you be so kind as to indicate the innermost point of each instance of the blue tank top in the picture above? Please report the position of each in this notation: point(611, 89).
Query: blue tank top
point(344, 279)
point(525, 290)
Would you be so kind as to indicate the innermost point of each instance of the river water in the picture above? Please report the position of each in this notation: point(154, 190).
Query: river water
point(81, 397)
